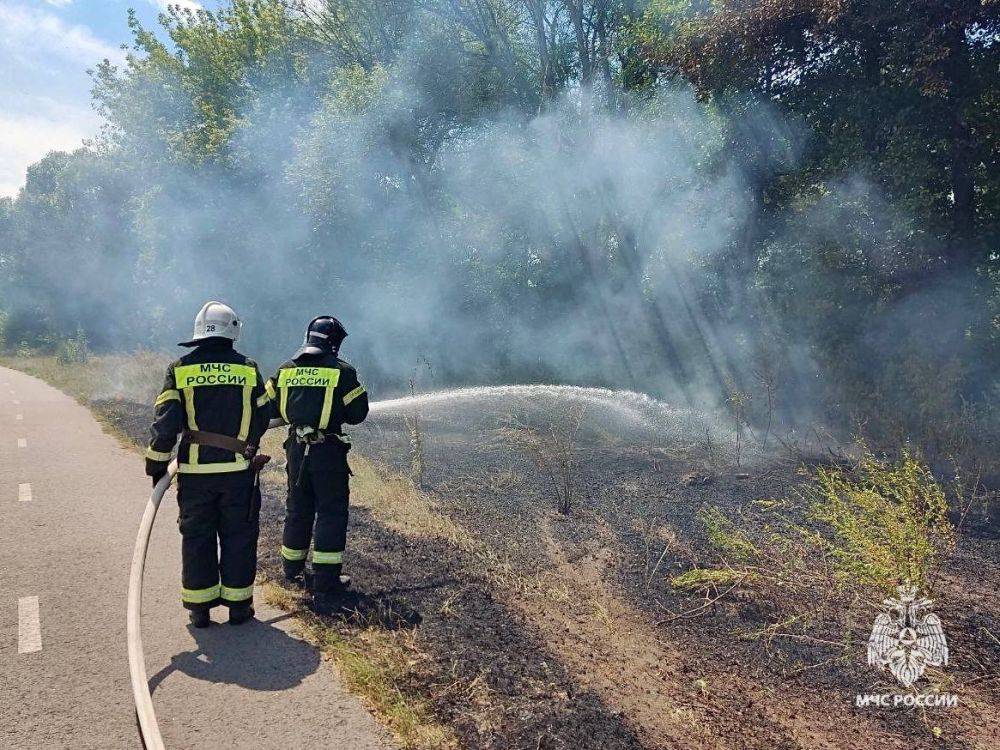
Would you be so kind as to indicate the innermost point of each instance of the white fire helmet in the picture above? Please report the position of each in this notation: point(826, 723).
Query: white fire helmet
point(215, 319)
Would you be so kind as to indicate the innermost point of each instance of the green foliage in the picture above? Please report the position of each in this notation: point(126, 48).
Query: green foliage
point(726, 538)
point(904, 92)
point(850, 534)
point(887, 521)
point(190, 96)
point(700, 579)
point(73, 350)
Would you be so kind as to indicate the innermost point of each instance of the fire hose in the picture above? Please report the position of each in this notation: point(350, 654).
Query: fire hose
point(149, 729)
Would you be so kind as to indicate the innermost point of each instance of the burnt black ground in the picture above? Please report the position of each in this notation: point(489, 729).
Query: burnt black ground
point(626, 487)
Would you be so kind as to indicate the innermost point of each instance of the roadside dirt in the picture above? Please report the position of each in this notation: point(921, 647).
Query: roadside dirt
point(528, 628)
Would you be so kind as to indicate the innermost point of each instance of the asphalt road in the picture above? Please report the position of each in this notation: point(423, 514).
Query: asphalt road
point(70, 501)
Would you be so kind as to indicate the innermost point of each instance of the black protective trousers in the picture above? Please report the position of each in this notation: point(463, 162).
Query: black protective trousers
point(316, 510)
point(219, 522)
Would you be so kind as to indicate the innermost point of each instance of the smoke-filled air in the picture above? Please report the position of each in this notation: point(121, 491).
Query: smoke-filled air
point(483, 196)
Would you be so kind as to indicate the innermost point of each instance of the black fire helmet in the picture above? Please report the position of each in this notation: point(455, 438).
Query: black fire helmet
point(323, 335)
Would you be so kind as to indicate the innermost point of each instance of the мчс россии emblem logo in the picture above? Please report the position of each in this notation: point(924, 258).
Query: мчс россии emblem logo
point(906, 638)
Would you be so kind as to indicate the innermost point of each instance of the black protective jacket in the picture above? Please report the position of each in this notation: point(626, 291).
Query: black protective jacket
point(319, 391)
point(213, 388)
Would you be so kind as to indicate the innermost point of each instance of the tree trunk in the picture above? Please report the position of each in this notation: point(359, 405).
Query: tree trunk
point(959, 76)
point(962, 185)
point(546, 73)
point(575, 10)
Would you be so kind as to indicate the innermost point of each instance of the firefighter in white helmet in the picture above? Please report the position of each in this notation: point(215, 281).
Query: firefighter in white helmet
point(214, 398)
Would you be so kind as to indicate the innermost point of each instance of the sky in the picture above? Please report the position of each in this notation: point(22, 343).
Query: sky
point(46, 48)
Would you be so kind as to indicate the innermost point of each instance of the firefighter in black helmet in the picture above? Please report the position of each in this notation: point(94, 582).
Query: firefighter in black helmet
point(316, 393)
point(214, 398)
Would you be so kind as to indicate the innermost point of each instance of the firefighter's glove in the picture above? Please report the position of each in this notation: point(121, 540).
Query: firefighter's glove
point(258, 462)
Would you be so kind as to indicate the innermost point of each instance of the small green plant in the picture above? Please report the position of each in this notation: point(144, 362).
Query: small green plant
point(416, 442)
point(700, 579)
point(73, 350)
point(725, 536)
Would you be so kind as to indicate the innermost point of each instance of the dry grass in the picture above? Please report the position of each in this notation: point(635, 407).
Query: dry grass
point(396, 502)
point(374, 664)
point(135, 377)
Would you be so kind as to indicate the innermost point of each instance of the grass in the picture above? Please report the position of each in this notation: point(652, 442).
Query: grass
point(375, 665)
point(135, 377)
point(698, 579)
point(848, 536)
point(397, 503)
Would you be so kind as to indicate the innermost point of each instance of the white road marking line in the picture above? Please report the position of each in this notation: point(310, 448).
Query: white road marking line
point(24, 492)
point(19, 417)
point(29, 627)
point(22, 442)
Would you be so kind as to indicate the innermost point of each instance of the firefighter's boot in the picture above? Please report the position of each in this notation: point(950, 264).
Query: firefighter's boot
point(293, 570)
point(332, 599)
point(301, 579)
point(325, 603)
point(241, 614)
point(201, 617)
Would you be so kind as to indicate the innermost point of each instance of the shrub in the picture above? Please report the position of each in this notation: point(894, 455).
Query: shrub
point(849, 535)
point(886, 522)
point(73, 350)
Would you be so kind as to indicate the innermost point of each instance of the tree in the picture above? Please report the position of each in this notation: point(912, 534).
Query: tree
point(904, 91)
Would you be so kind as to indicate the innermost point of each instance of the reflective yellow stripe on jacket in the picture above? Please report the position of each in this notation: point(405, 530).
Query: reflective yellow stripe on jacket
point(210, 374)
point(167, 395)
point(309, 377)
point(353, 394)
point(222, 467)
point(157, 455)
